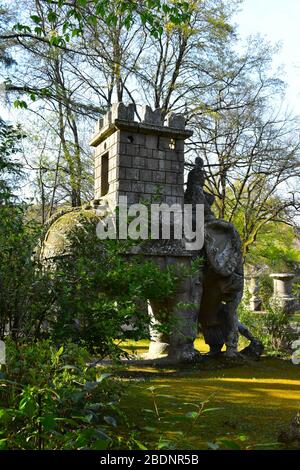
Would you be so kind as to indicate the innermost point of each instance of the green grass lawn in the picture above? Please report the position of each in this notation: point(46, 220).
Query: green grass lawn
point(250, 404)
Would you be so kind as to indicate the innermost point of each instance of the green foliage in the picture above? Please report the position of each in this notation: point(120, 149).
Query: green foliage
point(97, 294)
point(101, 292)
point(10, 169)
point(189, 414)
point(153, 13)
point(265, 289)
point(275, 247)
point(25, 289)
point(51, 399)
point(272, 328)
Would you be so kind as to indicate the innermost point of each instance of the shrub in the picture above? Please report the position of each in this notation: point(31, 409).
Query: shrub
point(101, 293)
point(272, 328)
point(26, 292)
point(51, 399)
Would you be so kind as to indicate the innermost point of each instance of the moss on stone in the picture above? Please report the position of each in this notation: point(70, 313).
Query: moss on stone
point(57, 240)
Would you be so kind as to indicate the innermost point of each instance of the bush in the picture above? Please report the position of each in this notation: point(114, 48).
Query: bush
point(101, 293)
point(97, 294)
point(51, 399)
point(271, 328)
point(26, 292)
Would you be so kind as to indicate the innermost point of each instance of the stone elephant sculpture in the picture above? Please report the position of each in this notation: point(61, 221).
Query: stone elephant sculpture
point(222, 287)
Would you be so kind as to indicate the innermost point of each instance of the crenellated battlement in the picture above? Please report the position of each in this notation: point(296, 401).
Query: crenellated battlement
point(121, 112)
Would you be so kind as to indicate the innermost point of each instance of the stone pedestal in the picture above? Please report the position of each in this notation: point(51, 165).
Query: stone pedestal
point(283, 283)
point(253, 288)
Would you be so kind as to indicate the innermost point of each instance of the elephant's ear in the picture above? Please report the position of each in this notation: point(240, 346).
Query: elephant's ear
point(223, 247)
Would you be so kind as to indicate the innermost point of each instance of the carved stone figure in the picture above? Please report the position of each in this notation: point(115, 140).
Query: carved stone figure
point(223, 276)
point(195, 193)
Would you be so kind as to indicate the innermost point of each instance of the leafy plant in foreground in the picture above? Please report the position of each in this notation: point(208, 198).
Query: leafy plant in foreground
point(51, 399)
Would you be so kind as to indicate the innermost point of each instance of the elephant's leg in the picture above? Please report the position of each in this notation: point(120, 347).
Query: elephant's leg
point(209, 314)
point(232, 327)
point(184, 319)
point(159, 339)
point(177, 315)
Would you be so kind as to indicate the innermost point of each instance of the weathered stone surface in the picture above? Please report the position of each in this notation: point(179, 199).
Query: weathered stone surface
point(152, 164)
point(158, 176)
point(151, 142)
point(57, 240)
point(151, 117)
point(132, 174)
point(120, 111)
point(283, 294)
point(171, 177)
point(176, 120)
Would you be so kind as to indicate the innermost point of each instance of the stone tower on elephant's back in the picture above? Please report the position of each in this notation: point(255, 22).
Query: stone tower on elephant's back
point(139, 159)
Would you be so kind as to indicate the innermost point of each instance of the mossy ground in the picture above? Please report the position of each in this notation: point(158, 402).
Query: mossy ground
point(253, 402)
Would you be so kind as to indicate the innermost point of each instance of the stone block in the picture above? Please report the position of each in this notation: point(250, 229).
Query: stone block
point(112, 162)
point(175, 166)
point(138, 187)
point(122, 148)
point(150, 188)
point(107, 118)
point(112, 187)
point(152, 164)
point(158, 176)
point(171, 155)
point(121, 173)
point(176, 121)
point(164, 143)
point(131, 149)
point(151, 141)
point(114, 138)
point(127, 137)
point(132, 174)
point(139, 139)
point(162, 165)
point(120, 111)
point(114, 150)
point(171, 200)
point(112, 176)
point(125, 161)
point(179, 145)
point(160, 154)
point(167, 190)
point(177, 191)
point(138, 162)
point(180, 179)
point(99, 150)
point(171, 177)
point(151, 117)
point(146, 175)
point(132, 198)
point(142, 151)
point(123, 185)
point(168, 165)
point(97, 172)
point(99, 125)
